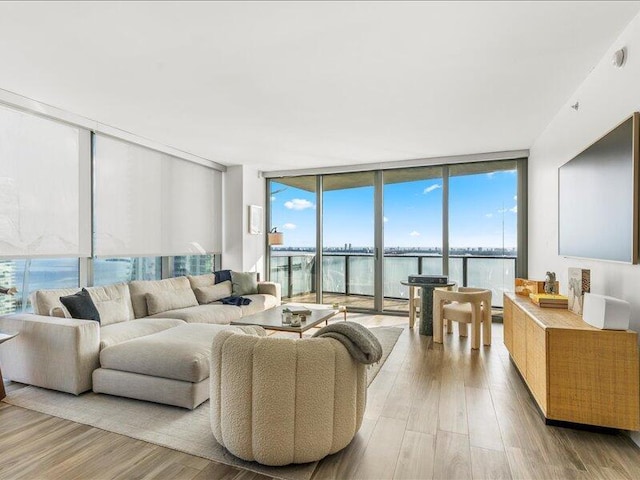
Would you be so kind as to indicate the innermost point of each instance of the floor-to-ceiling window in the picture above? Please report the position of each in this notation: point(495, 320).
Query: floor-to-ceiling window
point(412, 229)
point(483, 225)
point(460, 220)
point(348, 249)
point(293, 213)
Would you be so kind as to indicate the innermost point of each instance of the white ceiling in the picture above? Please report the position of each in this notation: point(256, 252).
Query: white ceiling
point(284, 85)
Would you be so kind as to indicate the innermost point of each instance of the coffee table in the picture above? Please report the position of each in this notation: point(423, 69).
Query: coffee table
point(272, 319)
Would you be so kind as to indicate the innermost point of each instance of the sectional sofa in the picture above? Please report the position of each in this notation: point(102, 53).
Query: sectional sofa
point(153, 341)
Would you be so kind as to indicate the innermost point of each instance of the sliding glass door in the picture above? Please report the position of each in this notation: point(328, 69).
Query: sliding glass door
point(483, 225)
point(348, 248)
point(412, 229)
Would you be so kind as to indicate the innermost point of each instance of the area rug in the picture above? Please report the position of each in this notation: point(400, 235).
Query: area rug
point(388, 336)
point(187, 431)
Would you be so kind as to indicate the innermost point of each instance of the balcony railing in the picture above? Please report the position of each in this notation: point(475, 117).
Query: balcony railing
point(353, 274)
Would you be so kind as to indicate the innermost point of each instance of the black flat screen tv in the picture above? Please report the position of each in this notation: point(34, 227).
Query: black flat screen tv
point(598, 198)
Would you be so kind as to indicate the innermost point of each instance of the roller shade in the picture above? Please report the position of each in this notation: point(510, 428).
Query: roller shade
point(45, 187)
point(147, 203)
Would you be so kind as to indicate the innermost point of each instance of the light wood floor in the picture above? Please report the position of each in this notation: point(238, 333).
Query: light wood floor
point(433, 411)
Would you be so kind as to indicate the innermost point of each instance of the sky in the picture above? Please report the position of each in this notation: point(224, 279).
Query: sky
point(479, 206)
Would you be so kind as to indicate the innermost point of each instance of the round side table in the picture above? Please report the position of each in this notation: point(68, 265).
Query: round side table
point(426, 306)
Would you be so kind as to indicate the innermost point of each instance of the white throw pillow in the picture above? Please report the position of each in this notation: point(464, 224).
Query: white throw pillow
point(213, 293)
point(170, 300)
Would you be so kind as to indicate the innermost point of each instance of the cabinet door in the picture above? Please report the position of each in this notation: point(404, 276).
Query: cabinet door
point(519, 333)
point(537, 362)
point(507, 324)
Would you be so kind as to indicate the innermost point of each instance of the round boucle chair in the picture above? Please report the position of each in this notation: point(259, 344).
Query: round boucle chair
point(280, 400)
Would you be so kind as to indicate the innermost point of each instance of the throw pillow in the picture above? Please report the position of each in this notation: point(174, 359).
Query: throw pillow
point(222, 276)
point(213, 293)
point(245, 283)
point(202, 280)
point(112, 311)
point(81, 306)
point(170, 300)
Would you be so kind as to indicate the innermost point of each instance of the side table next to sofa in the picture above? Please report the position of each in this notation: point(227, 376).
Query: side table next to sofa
point(3, 338)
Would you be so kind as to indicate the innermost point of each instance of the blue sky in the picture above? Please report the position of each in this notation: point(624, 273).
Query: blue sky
point(479, 204)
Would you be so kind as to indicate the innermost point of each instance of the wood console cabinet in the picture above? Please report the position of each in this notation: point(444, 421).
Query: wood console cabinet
point(577, 373)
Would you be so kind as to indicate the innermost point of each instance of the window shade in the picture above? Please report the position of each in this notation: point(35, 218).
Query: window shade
point(151, 204)
point(45, 203)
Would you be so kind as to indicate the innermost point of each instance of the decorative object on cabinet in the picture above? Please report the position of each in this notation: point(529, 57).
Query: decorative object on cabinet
point(550, 283)
point(548, 300)
point(579, 283)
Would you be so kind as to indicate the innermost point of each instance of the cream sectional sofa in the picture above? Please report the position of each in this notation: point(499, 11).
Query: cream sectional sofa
point(61, 353)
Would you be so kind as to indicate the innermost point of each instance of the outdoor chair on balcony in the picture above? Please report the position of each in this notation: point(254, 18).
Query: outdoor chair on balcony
point(467, 305)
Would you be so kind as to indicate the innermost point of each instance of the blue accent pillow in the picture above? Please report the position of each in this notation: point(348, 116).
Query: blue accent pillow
point(81, 306)
point(222, 276)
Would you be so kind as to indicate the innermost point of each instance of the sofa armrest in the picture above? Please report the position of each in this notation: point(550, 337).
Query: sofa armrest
point(271, 288)
point(50, 352)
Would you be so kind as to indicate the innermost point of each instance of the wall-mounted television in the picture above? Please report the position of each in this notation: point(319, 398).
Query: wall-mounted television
point(598, 198)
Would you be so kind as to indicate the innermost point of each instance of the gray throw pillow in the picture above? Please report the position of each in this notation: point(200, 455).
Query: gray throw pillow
point(244, 283)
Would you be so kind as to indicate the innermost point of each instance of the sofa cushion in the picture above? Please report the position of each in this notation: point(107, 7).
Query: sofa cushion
point(45, 301)
point(170, 300)
point(123, 331)
point(139, 288)
point(180, 353)
point(259, 302)
point(212, 313)
point(80, 306)
point(113, 303)
point(213, 293)
point(244, 283)
point(201, 280)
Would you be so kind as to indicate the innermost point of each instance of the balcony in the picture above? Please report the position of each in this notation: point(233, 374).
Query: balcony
point(348, 278)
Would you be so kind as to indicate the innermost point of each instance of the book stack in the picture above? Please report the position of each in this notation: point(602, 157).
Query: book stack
point(297, 310)
point(546, 300)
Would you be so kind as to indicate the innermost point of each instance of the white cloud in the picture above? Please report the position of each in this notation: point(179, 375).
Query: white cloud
point(491, 174)
point(489, 215)
point(273, 198)
point(514, 209)
point(385, 219)
point(289, 226)
point(431, 188)
point(415, 234)
point(515, 198)
point(298, 204)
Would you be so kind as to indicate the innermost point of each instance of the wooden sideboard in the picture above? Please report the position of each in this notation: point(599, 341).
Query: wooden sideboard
point(576, 373)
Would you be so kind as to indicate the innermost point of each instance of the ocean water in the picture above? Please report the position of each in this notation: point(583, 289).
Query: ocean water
point(496, 274)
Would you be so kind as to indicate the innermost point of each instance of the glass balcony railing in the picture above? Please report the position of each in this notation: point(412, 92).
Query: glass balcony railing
point(353, 274)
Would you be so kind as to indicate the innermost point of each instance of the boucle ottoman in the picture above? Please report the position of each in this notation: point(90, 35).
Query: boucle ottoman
point(280, 400)
point(170, 367)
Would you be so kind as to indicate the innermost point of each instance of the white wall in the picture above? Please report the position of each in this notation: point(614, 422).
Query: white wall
point(242, 251)
point(607, 96)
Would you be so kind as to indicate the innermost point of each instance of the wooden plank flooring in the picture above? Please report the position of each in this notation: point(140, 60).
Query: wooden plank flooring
point(434, 411)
